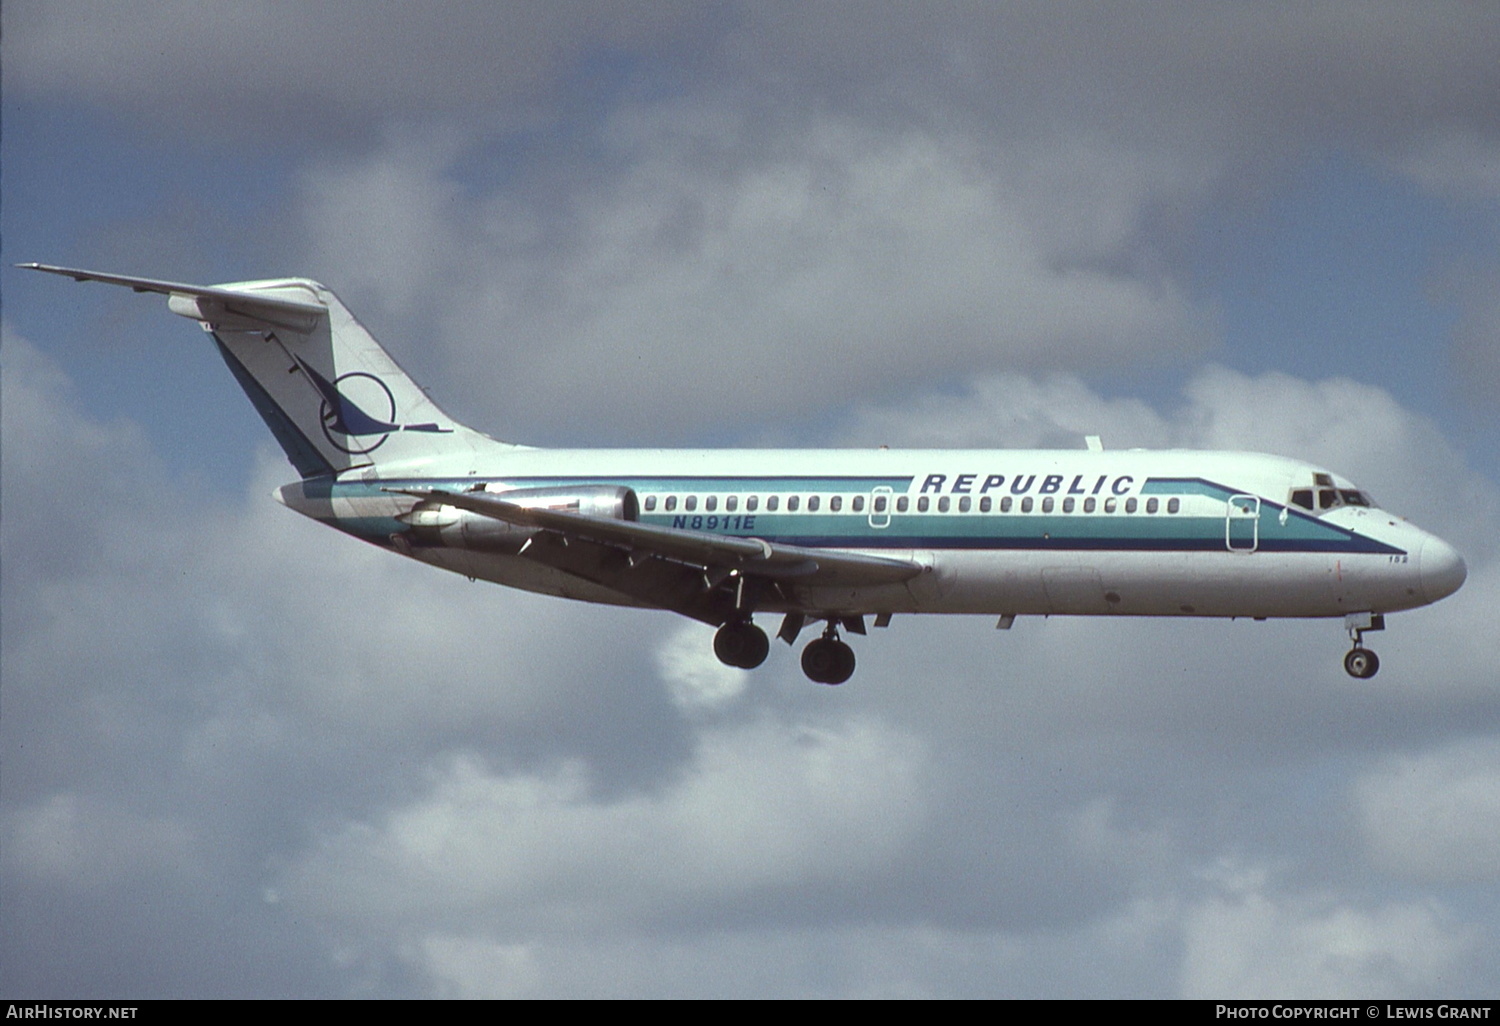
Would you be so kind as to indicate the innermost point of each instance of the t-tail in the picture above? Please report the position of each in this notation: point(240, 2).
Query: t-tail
point(334, 399)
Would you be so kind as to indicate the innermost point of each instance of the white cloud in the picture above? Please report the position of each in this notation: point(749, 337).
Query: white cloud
point(324, 70)
point(79, 841)
point(697, 680)
point(1249, 941)
point(389, 224)
point(1435, 816)
point(1186, 77)
point(477, 969)
point(648, 215)
point(712, 273)
point(760, 809)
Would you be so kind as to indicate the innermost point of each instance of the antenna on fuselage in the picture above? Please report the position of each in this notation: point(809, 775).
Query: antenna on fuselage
point(1094, 442)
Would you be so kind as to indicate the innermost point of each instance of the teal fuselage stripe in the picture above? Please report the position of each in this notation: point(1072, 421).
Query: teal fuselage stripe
point(1097, 532)
point(1187, 486)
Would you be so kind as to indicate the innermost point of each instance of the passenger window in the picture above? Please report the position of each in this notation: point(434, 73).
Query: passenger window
point(731, 504)
point(879, 504)
point(650, 503)
point(812, 503)
point(1005, 504)
point(772, 501)
point(671, 503)
point(1047, 504)
point(964, 504)
point(922, 504)
point(902, 504)
point(1302, 497)
point(985, 505)
point(1151, 505)
point(1109, 505)
point(1026, 504)
point(792, 502)
point(835, 504)
point(752, 503)
point(1067, 505)
point(1130, 505)
point(711, 503)
point(1089, 504)
point(690, 503)
point(1173, 505)
point(943, 504)
point(859, 503)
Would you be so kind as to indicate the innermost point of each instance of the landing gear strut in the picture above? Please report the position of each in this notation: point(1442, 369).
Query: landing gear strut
point(1360, 662)
point(827, 660)
point(740, 643)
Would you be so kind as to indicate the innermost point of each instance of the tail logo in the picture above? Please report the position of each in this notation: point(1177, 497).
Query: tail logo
point(350, 420)
point(358, 412)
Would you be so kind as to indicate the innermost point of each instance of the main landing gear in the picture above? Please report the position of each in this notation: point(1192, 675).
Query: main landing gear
point(826, 660)
point(1360, 662)
point(740, 643)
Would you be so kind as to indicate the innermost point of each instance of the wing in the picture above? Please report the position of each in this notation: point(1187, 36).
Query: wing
point(670, 567)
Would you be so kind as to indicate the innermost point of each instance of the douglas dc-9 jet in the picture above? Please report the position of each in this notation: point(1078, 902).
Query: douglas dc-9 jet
point(812, 536)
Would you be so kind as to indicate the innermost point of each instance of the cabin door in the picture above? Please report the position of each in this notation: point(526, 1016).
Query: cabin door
point(1242, 523)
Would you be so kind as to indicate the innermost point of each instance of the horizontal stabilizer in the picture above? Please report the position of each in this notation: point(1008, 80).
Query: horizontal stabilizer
point(211, 303)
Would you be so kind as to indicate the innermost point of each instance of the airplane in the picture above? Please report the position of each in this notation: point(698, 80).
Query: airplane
point(829, 536)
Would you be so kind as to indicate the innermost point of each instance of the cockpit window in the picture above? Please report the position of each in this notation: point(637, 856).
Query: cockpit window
point(1326, 497)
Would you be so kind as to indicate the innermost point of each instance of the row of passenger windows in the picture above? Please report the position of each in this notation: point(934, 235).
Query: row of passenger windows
point(903, 504)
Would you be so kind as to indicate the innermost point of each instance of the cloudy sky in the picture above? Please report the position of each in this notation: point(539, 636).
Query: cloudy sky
point(243, 755)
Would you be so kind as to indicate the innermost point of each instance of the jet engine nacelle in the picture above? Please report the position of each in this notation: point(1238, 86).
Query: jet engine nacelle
point(616, 502)
point(435, 523)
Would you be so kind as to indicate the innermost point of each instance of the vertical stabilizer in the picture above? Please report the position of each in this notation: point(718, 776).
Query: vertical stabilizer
point(334, 399)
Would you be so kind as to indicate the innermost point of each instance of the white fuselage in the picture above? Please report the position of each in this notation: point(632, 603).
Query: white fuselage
point(1158, 533)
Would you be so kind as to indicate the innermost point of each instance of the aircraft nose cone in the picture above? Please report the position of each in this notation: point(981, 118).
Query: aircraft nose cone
point(1443, 569)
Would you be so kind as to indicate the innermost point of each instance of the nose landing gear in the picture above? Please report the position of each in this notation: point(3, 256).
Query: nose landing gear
point(1360, 662)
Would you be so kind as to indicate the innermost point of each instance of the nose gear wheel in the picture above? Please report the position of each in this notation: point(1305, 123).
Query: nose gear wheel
point(1360, 662)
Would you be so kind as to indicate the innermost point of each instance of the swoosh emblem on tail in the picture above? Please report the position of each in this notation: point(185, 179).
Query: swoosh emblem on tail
point(342, 414)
